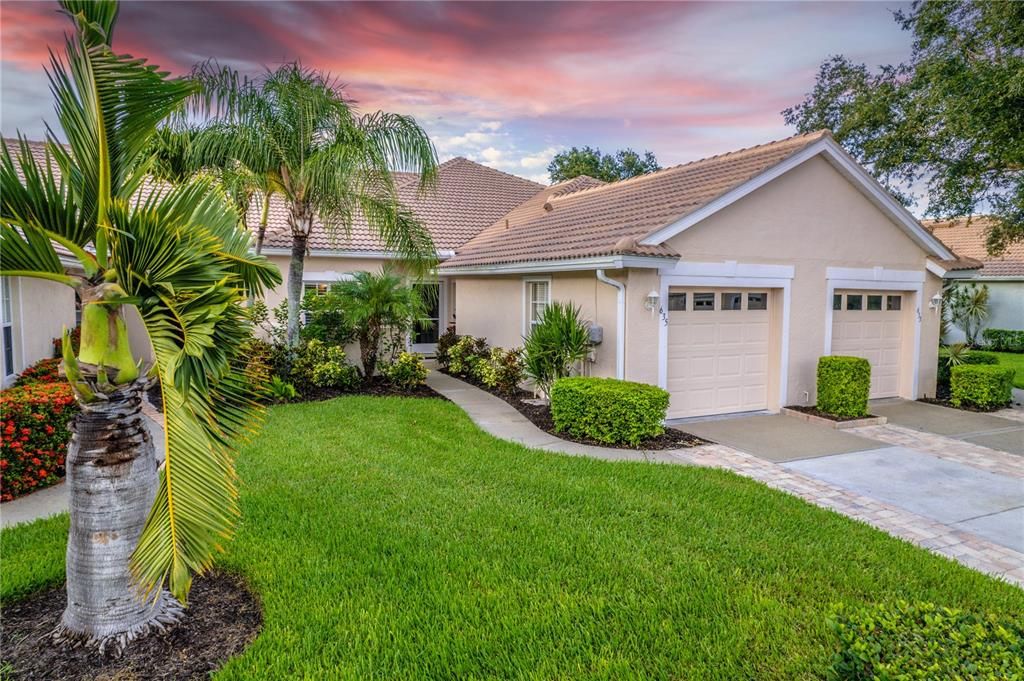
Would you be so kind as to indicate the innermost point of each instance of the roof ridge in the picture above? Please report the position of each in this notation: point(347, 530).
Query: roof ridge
point(671, 169)
point(463, 159)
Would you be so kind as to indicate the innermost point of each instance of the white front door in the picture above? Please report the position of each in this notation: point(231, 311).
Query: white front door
point(718, 350)
point(869, 324)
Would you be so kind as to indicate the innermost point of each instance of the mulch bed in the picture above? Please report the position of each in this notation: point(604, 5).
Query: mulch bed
point(942, 396)
point(814, 411)
point(540, 416)
point(223, 617)
point(376, 388)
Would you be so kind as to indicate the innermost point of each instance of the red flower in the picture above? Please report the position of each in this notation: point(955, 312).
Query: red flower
point(42, 473)
point(49, 429)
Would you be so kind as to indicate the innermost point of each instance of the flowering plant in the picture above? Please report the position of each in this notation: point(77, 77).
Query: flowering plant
point(34, 436)
point(43, 371)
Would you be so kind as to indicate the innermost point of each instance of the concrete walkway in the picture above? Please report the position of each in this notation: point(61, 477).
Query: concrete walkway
point(988, 430)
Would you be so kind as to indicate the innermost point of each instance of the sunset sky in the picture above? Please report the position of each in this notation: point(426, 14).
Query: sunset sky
point(506, 84)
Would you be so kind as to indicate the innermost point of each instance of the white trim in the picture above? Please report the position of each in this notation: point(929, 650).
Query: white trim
point(729, 268)
point(903, 286)
point(325, 277)
point(935, 268)
point(875, 274)
point(620, 323)
point(330, 253)
point(749, 280)
point(834, 154)
point(612, 262)
point(525, 306)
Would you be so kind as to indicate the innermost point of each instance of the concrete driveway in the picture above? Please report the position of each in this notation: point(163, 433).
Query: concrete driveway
point(981, 429)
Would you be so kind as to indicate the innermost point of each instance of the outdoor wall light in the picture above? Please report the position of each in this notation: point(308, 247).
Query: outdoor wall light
point(936, 302)
point(651, 302)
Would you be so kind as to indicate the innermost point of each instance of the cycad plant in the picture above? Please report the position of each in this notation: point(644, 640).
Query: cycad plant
point(968, 308)
point(556, 345)
point(139, 531)
point(326, 161)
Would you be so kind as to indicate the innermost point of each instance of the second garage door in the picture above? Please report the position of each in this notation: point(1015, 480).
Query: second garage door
point(869, 324)
point(718, 351)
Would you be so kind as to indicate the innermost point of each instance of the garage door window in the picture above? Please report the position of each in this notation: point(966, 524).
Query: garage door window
point(855, 302)
point(874, 302)
point(837, 301)
point(894, 303)
point(677, 302)
point(757, 301)
point(732, 301)
point(703, 301)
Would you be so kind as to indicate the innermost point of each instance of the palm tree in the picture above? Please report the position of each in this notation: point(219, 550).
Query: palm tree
point(327, 162)
point(968, 309)
point(139, 531)
point(376, 304)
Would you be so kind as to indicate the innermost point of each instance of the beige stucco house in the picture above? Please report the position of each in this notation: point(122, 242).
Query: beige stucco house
point(722, 280)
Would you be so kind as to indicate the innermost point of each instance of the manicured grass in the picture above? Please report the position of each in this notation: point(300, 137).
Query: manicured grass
point(391, 538)
point(1014, 360)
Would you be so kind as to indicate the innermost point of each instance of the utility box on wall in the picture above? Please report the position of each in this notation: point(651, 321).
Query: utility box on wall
point(596, 334)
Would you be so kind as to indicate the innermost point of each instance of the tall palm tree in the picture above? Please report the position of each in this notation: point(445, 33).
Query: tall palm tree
point(139, 531)
point(326, 161)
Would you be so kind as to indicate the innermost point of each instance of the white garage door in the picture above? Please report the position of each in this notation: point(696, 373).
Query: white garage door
point(869, 324)
point(718, 346)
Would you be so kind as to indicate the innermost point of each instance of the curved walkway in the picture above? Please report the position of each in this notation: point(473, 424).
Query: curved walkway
point(501, 419)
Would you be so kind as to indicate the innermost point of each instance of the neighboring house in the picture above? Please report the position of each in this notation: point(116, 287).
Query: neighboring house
point(1004, 275)
point(721, 280)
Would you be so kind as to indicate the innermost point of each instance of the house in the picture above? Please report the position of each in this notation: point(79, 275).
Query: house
point(722, 280)
point(1004, 275)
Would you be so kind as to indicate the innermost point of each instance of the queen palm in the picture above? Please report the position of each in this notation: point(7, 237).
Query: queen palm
point(139, 531)
point(326, 161)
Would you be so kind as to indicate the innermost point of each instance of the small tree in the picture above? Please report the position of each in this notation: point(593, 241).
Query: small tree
point(555, 345)
point(621, 165)
point(968, 309)
point(379, 305)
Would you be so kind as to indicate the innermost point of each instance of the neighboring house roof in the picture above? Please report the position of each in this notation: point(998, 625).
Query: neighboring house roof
point(468, 197)
point(635, 217)
point(966, 236)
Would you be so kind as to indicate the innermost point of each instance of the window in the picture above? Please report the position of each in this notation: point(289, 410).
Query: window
point(854, 302)
point(837, 301)
point(757, 301)
point(677, 302)
point(732, 301)
point(7, 322)
point(538, 296)
point(320, 288)
point(874, 302)
point(894, 303)
point(703, 301)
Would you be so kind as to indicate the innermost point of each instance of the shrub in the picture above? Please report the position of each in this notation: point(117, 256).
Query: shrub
point(501, 369)
point(464, 354)
point(444, 343)
point(317, 364)
point(76, 339)
point(281, 391)
point(1004, 340)
point(957, 354)
point(34, 436)
point(608, 410)
point(904, 641)
point(407, 371)
point(324, 318)
point(968, 308)
point(258, 354)
point(844, 384)
point(555, 345)
point(43, 371)
point(981, 386)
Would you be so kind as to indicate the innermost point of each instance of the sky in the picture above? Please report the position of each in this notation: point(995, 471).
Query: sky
point(505, 84)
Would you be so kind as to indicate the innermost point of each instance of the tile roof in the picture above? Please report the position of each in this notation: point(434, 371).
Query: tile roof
point(586, 218)
point(966, 237)
point(467, 198)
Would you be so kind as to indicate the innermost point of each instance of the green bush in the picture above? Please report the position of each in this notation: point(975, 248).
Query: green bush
point(317, 364)
point(903, 641)
point(501, 369)
point(281, 391)
point(556, 345)
point(984, 387)
point(34, 434)
point(1004, 340)
point(444, 343)
point(407, 371)
point(957, 354)
point(844, 384)
point(608, 410)
point(464, 355)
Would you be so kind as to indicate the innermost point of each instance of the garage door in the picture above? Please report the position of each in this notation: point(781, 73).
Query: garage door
point(718, 347)
point(869, 324)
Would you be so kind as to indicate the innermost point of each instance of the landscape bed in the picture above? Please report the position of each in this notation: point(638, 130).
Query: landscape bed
point(391, 538)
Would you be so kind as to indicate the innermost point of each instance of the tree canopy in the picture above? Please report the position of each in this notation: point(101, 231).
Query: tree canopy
point(950, 119)
point(590, 161)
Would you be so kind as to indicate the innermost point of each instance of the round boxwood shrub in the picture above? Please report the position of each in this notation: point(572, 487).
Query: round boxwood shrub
point(981, 386)
point(844, 384)
point(608, 410)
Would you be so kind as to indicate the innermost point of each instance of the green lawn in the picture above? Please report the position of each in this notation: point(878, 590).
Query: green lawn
point(391, 538)
point(1016, 361)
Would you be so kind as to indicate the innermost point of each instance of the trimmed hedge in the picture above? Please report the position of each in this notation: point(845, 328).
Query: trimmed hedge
point(984, 387)
point(904, 641)
point(844, 384)
point(608, 410)
point(972, 357)
point(34, 436)
point(1004, 340)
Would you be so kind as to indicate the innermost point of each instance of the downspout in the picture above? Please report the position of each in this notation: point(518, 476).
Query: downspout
point(620, 323)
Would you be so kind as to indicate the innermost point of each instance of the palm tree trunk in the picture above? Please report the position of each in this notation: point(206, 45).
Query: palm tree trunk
point(295, 288)
point(261, 231)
